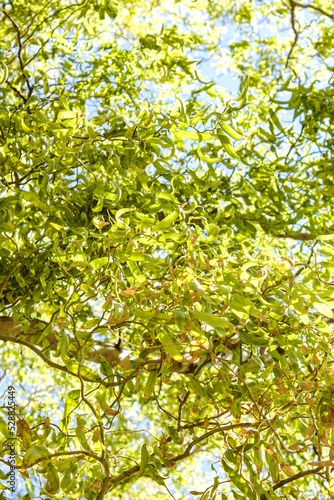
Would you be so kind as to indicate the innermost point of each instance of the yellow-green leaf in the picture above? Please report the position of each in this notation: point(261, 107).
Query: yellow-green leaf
point(166, 222)
point(230, 130)
point(210, 319)
point(33, 454)
point(168, 343)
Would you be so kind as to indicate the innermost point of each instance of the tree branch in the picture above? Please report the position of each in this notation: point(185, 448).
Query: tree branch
point(126, 474)
point(10, 331)
point(54, 455)
point(318, 9)
point(299, 237)
point(266, 229)
point(296, 32)
point(295, 477)
point(20, 51)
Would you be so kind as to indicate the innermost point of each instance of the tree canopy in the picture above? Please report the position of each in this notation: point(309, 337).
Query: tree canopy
point(166, 248)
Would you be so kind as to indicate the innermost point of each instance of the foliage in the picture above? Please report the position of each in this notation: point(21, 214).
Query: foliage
point(140, 201)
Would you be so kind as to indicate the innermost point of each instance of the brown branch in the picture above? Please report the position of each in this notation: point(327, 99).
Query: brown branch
point(9, 332)
point(42, 356)
point(296, 32)
point(299, 237)
point(214, 431)
point(296, 476)
point(54, 455)
point(19, 39)
point(266, 229)
point(318, 9)
point(35, 17)
point(126, 474)
point(16, 91)
point(96, 415)
point(55, 15)
point(77, 7)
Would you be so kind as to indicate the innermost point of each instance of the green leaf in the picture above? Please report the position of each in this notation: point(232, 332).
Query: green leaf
point(230, 130)
point(325, 237)
point(227, 146)
point(71, 402)
point(195, 136)
point(174, 434)
point(166, 222)
point(197, 387)
point(243, 307)
point(65, 115)
point(182, 111)
point(91, 323)
point(276, 121)
point(98, 263)
point(252, 339)
point(149, 387)
point(244, 89)
point(64, 343)
point(273, 467)
point(323, 309)
point(98, 207)
point(4, 428)
point(167, 196)
point(144, 459)
point(168, 344)
point(206, 158)
point(4, 75)
point(210, 319)
point(136, 272)
point(33, 454)
point(81, 435)
point(52, 485)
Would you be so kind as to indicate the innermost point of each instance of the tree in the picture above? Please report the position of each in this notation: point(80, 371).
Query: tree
point(166, 249)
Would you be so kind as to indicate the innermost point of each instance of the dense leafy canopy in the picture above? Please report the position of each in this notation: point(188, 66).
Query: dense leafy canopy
point(142, 202)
